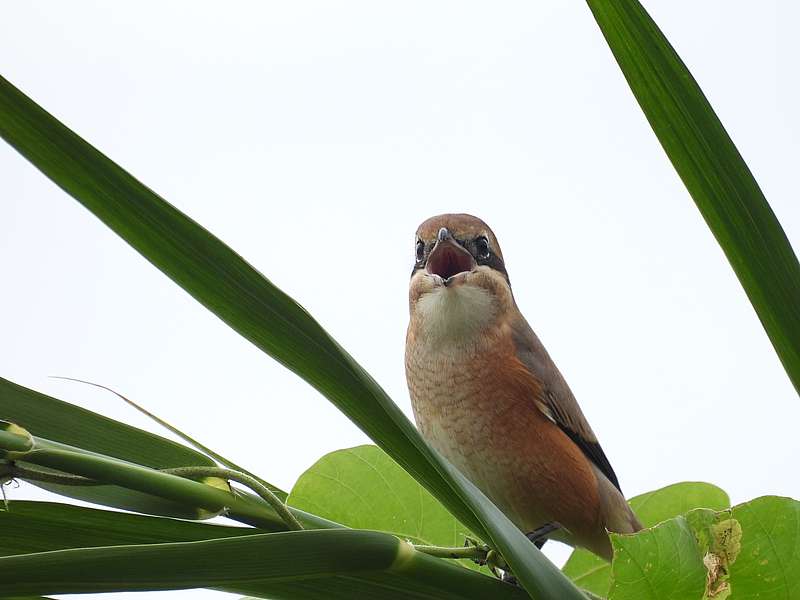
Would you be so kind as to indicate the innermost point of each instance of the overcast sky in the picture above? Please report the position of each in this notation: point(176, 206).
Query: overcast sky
point(313, 137)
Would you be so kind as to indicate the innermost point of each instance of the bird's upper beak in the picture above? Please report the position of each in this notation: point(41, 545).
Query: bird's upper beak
point(448, 258)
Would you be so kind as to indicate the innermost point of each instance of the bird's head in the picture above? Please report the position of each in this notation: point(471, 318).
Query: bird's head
point(459, 270)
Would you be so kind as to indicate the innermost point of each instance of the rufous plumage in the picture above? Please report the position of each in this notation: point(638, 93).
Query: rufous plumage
point(488, 397)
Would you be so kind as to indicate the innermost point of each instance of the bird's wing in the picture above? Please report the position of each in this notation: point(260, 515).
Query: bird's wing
point(556, 400)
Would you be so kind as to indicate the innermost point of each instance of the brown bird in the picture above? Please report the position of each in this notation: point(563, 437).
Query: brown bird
point(489, 398)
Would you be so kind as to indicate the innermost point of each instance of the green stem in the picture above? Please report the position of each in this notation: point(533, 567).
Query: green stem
point(193, 442)
point(16, 471)
point(107, 470)
point(13, 442)
point(251, 482)
point(470, 552)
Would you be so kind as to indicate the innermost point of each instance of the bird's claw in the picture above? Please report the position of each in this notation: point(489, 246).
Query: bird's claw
point(473, 543)
point(540, 535)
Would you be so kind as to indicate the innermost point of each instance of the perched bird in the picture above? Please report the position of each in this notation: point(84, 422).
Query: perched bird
point(489, 398)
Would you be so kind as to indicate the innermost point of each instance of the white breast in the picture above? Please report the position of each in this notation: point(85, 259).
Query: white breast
point(448, 315)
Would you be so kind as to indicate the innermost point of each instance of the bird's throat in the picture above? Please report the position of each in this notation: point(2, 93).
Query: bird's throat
point(453, 315)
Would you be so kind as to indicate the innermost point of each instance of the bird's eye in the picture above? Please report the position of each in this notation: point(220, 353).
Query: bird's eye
point(420, 251)
point(482, 248)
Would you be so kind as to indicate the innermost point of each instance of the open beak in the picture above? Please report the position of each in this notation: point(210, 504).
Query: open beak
point(448, 258)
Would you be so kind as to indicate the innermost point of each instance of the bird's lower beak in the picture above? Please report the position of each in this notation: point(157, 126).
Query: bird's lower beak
point(449, 258)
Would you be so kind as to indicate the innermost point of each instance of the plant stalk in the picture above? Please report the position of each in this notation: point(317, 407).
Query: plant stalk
point(254, 484)
point(14, 442)
point(107, 470)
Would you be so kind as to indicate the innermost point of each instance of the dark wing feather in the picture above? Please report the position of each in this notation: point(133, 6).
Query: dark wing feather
point(557, 401)
point(591, 448)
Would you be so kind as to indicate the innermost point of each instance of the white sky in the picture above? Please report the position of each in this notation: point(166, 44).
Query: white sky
point(313, 137)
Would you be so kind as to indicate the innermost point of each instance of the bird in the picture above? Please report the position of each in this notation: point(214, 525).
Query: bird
point(487, 396)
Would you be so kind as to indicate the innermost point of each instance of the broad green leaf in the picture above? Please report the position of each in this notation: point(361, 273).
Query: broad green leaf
point(662, 563)
point(299, 564)
point(768, 564)
point(594, 574)
point(588, 571)
point(749, 551)
point(364, 488)
point(677, 499)
point(712, 169)
point(228, 286)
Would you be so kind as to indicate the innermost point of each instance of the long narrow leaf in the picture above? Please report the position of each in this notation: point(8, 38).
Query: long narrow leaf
point(42, 526)
point(228, 286)
point(253, 565)
point(184, 436)
point(712, 169)
point(60, 421)
point(54, 419)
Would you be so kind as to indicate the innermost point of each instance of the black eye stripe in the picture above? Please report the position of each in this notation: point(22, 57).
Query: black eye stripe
point(489, 259)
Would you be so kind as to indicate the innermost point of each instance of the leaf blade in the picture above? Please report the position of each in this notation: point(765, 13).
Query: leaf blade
point(243, 298)
point(69, 424)
point(364, 488)
point(284, 565)
point(592, 573)
point(29, 526)
point(768, 566)
point(75, 426)
point(713, 170)
point(661, 563)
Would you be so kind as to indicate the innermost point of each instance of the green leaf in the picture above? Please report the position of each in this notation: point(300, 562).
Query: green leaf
point(594, 574)
point(41, 526)
point(749, 551)
point(364, 488)
point(768, 565)
point(298, 564)
point(185, 437)
point(662, 563)
point(210, 493)
point(44, 416)
point(223, 282)
point(677, 499)
point(47, 417)
point(84, 430)
point(713, 171)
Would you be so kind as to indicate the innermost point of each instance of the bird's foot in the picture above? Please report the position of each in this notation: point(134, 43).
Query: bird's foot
point(508, 577)
point(473, 543)
point(539, 535)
